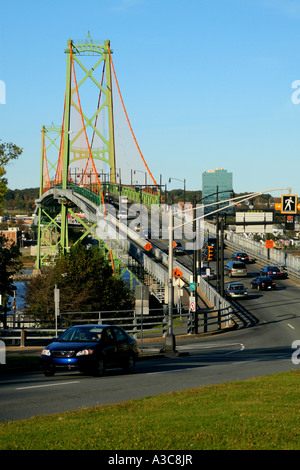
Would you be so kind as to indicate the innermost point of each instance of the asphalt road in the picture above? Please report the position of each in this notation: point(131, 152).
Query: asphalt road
point(236, 355)
point(269, 324)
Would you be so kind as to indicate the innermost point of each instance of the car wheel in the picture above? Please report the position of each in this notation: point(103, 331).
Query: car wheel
point(49, 372)
point(100, 368)
point(129, 365)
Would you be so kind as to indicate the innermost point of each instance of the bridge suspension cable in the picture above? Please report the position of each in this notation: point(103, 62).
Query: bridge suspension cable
point(128, 121)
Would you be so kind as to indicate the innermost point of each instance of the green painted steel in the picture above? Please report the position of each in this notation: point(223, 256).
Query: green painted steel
point(47, 224)
point(88, 47)
point(52, 231)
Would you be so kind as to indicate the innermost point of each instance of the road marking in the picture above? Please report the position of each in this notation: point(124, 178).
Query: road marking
point(198, 347)
point(234, 352)
point(242, 362)
point(48, 385)
point(291, 326)
point(168, 371)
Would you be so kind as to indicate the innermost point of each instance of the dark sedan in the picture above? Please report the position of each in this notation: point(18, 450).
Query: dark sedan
point(240, 256)
point(273, 272)
point(90, 348)
point(263, 283)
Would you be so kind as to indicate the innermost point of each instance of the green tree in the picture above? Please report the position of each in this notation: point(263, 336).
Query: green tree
point(86, 283)
point(8, 152)
point(9, 264)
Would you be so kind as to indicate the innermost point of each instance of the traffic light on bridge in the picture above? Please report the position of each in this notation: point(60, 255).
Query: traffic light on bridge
point(210, 253)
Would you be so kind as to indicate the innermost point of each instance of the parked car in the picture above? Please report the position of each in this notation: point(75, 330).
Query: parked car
point(236, 290)
point(240, 256)
point(235, 269)
point(273, 272)
point(178, 249)
point(90, 348)
point(207, 272)
point(263, 283)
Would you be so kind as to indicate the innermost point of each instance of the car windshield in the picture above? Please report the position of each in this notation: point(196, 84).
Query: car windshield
point(273, 268)
point(238, 266)
point(237, 287)
point(82, 334)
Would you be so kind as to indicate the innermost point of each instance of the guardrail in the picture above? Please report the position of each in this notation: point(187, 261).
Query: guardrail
point(140, 327)
point(264, 260)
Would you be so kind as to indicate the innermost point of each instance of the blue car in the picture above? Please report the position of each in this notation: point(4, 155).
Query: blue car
point(90, 348)
point(273, 271)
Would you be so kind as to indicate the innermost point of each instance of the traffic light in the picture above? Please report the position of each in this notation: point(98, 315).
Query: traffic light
point(210, 253)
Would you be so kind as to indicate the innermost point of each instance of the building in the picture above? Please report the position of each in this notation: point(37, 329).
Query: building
point(216, 186)
point(13, 235)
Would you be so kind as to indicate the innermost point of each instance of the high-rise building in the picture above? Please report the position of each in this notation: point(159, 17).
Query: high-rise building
point(216, 186)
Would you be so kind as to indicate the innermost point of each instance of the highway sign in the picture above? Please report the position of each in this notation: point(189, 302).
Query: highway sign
point(254, 221)
point(192, 286)
point(289, 204)
point(177, 273)
point(148, 246)
point(192, 304)
point(269, 244)
point(142, 300)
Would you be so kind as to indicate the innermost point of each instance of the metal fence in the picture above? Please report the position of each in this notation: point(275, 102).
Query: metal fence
point(153, 326)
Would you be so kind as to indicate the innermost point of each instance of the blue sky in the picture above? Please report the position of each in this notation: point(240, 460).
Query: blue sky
point(206, 83)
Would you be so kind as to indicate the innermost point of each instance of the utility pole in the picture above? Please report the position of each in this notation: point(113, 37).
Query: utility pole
point(170, 344)
point(195, 329)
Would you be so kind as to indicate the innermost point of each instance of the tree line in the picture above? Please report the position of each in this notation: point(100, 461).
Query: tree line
point(22, 200)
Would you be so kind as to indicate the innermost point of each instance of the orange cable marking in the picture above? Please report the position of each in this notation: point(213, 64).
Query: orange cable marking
point(128, 118)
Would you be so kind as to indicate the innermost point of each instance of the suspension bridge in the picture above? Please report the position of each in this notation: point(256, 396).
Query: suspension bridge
point(92, 162)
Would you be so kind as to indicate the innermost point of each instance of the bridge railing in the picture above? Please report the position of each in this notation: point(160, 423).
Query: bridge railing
point(144, 195)
point(153, 326)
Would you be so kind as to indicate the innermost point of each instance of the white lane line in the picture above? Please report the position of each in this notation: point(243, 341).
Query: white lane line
point(47, 385)
point(170, 371)
point(234, 352)
point(209, 346)
point(291, 326)
point(241, 362)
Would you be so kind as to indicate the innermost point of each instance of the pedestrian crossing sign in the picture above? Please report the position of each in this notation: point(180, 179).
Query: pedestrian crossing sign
point(289, 204)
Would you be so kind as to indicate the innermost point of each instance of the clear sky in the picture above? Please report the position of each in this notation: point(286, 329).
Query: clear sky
point(206, 83)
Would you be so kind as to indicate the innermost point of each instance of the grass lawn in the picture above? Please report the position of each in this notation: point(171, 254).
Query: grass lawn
point(259, 414)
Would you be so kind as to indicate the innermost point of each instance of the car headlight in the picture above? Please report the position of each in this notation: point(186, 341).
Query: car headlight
point(46, 352)
point(85, 352)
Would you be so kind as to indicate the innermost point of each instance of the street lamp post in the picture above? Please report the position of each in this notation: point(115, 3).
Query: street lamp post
point(184, 187)
point(170, 343)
